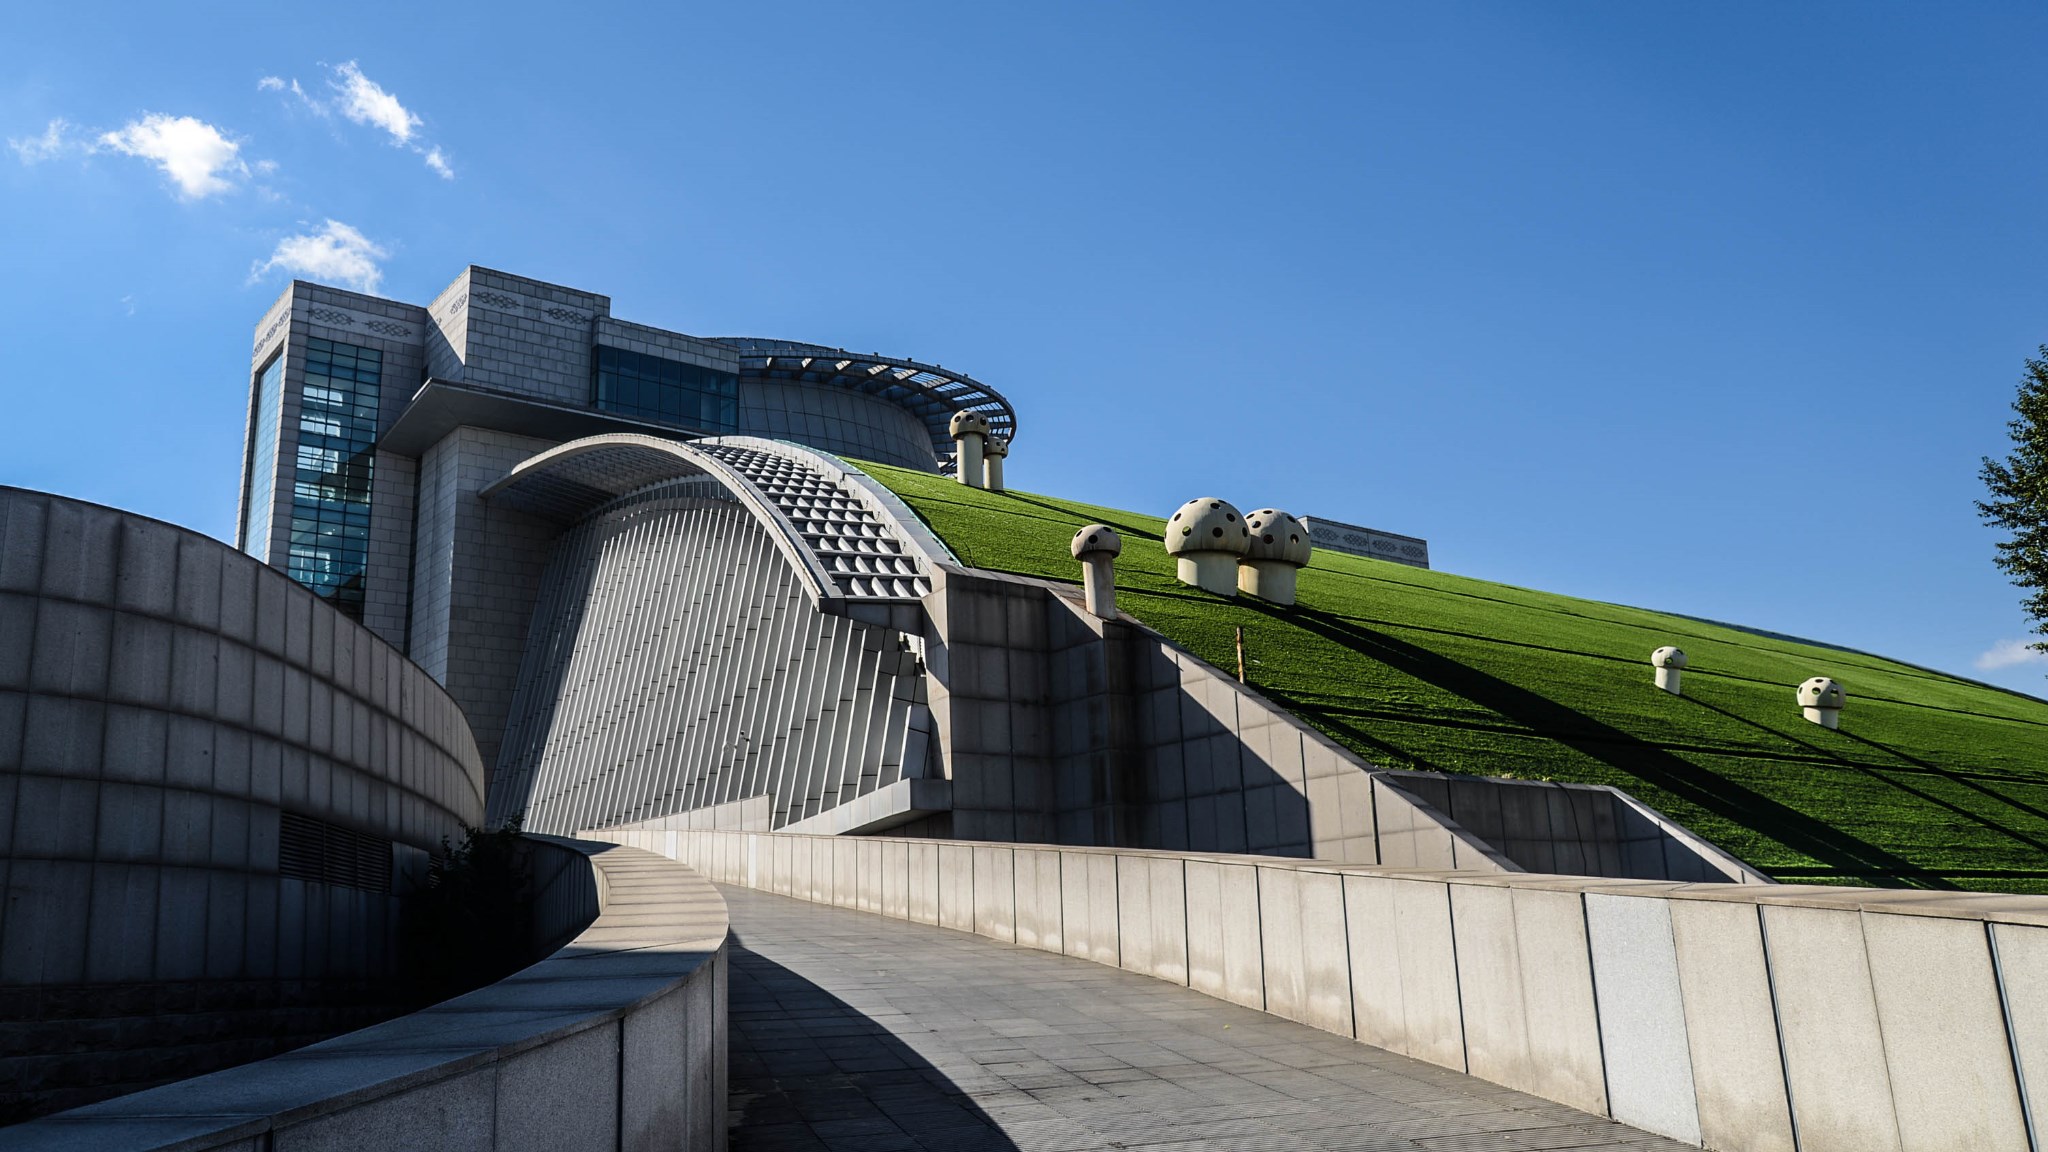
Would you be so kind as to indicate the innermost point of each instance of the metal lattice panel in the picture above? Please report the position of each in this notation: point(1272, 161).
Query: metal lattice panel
point(866, 558)
point(845, 545)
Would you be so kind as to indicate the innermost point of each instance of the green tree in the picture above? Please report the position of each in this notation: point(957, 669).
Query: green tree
point(2019, 494)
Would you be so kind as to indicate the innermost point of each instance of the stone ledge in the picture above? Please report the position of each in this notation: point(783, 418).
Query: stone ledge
point(661, 930)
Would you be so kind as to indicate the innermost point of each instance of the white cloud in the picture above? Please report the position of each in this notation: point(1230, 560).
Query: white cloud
point(2010, 654)
point(365, 102)
point(36, 149)
point(197, 156)
point(335, 253)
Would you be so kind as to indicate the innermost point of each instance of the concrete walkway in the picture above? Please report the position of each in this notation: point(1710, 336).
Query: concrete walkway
point(850, 1031)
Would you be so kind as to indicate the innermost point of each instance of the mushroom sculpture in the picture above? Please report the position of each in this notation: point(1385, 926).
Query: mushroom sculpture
point(992, 455)
point(1097, 547)
point(1820, 699)
point(1276, 548)
point(969, 430)
point(1669, 662)
point(1207, 536)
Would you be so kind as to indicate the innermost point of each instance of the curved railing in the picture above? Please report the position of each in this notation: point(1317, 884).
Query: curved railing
point(616, 1040)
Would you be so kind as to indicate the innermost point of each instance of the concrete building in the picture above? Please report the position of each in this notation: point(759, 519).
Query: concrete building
point(610, 578)
point(1338, 536)
point(642, 565)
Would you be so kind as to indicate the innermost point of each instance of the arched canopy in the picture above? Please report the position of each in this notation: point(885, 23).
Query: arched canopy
point(570, 481)
point(843, 546)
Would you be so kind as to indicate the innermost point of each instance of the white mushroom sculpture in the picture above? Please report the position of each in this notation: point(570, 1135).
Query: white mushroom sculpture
point(1820, 700)
point(992, 455)
point(969, 430)
point(1276, 548)
point(1097, 547)
point(1669, 662)
point(1207, 536)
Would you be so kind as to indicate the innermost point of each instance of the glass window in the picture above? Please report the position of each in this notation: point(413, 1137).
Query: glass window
point(262, 485)
point(331, 472)
point(667, 391)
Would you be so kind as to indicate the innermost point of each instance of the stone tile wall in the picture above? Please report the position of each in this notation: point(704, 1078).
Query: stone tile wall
point(1899, 1020)
point(1057, 726)
point(616, 1041)
point(476, 568)
point(164, 700)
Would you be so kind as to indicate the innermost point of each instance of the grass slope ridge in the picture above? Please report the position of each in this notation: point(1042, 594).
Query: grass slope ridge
point(1933, 781)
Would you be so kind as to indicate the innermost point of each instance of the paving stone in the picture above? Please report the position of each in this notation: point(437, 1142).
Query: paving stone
point(851, 1031)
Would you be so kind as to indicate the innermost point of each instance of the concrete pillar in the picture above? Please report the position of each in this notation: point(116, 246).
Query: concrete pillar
point(1670, 665)
point(1207, 536)
point(992, 455)
point(970, 435)
point(1821, 700)
point(1097, 547)
point(1276, 548)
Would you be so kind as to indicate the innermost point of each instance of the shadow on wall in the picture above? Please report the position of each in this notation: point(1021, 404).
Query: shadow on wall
point(1618, 749)
point(808, 1070)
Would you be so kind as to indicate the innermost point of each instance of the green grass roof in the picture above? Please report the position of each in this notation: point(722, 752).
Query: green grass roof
point(1932, 781)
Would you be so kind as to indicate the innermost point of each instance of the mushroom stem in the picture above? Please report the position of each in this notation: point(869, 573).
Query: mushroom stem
point(1670, 679)
point(1098, 583)
point(1210, 571)
point(1269, 580)
point(992, 454)
point(968, 459)
point(1825, 717)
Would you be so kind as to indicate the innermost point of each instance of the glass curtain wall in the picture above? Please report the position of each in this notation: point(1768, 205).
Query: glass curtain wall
point(330, 542)
point(261, 483)
point(667, 391)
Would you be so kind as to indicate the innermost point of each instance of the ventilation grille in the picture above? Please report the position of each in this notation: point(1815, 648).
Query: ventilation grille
point(309, 849)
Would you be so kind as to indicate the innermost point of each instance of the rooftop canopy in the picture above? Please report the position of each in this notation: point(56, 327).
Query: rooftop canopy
point(929, 391)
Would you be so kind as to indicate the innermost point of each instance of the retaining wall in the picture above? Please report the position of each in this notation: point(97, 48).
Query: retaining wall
point(616, 1042)
point(1727, 1015)
point(210, 781)
point(1057, 726)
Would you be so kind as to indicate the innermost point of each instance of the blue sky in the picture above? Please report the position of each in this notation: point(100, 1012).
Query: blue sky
point(1711, 309)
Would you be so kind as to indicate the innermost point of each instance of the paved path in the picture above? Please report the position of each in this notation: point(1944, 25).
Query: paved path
point(850, 1031)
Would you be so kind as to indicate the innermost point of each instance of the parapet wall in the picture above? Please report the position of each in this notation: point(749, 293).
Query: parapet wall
point(1725, 1015)
point(1057, 726)
point(211, 784)
point(615, 1041)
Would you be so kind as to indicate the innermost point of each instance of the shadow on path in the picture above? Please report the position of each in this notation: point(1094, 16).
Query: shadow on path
point(851, 1031)
point(810, 1071)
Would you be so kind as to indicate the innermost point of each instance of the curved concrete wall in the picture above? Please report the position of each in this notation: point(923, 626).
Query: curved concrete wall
point(837, 420)
point(1732, 1016)
point(200, 765)
point(617, 1041)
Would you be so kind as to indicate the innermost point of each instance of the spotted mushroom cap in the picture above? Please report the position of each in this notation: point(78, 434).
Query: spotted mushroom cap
point(1277, 535)
point(966, 421)
point(1097, 540)
point(1821, 692)
point(1668, 657)
point(996, 446)
point(1206, 524)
